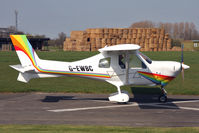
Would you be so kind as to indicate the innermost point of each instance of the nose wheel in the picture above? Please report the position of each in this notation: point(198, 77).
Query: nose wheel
point(163, 96)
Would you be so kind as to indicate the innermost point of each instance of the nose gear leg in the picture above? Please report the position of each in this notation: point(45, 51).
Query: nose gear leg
point(163, 96)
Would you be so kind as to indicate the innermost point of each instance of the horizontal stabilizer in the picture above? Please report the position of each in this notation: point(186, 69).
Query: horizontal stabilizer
point(22, 69)
point(24, 77)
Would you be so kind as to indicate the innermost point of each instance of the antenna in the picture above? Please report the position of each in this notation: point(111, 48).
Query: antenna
point(16, 20)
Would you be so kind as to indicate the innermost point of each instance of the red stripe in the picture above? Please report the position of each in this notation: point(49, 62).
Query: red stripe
point(19, 49)
point(158, 75)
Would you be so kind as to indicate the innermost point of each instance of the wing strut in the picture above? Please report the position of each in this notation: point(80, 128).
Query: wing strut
point(127, 67)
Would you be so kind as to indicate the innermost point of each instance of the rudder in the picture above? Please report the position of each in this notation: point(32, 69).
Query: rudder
point(24, 50)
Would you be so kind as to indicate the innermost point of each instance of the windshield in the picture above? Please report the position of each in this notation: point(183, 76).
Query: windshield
point(145, 57)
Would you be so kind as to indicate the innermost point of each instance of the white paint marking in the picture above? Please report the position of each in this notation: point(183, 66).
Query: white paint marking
point(89, 108)
point(174, 107)
point(100, 101)
point(189, 108)
point(163, 106)
point(190, 101)
point(131, 105)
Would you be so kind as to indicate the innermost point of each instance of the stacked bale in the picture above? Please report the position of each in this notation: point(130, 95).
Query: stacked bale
point(175, 48)
point(6, 47)
point(150, 39)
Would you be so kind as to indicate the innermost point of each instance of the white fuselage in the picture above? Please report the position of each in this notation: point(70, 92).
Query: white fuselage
point(114, 74)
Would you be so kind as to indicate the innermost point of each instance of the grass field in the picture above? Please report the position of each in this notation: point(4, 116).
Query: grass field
point(90, 129)
point(8, 76)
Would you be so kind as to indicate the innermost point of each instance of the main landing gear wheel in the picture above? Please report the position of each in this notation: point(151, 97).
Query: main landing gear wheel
point(121, 97)
point(163, 97)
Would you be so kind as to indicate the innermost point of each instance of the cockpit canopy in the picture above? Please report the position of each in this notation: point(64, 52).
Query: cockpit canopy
point(128, 54)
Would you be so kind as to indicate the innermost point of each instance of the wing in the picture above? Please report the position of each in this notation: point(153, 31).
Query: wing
point(120, 47)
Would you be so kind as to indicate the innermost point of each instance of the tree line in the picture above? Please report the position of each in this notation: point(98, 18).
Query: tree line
point(178, 31)
point(55, 42)
point(58, 42)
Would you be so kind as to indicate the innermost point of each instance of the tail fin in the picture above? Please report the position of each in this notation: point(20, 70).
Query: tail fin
point(25, 52)
point(27, 57)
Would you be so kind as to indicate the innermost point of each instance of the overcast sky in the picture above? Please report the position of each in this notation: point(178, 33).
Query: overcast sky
point(50, 17)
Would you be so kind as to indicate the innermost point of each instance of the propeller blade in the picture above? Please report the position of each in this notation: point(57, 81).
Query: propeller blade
point(182, 62)
point(182, 57)
point(182, 72)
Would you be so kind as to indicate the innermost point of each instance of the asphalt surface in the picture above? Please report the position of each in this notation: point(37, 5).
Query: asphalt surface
point(95, 109)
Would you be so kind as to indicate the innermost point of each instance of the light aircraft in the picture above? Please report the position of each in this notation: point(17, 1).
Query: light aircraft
point(119, 65)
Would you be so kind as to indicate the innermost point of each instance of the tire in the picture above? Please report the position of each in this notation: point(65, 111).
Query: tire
point(163, 98)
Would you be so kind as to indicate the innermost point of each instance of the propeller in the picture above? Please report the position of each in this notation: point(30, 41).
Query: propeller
point(182, 62)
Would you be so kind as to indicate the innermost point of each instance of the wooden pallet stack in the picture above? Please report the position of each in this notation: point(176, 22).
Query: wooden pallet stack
point(150, 39)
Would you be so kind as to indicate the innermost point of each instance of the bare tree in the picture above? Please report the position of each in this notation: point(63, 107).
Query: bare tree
point(181, 30)
point(168, 28)
point(143, 24)
point(175, 31)
point(193, 32)
point(161, 25)
point(186, 31)
point(60, 40)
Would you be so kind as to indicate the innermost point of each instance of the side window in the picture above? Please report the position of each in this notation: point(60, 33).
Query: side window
point(134, 62)
point(105, 63)
point(122, 61)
